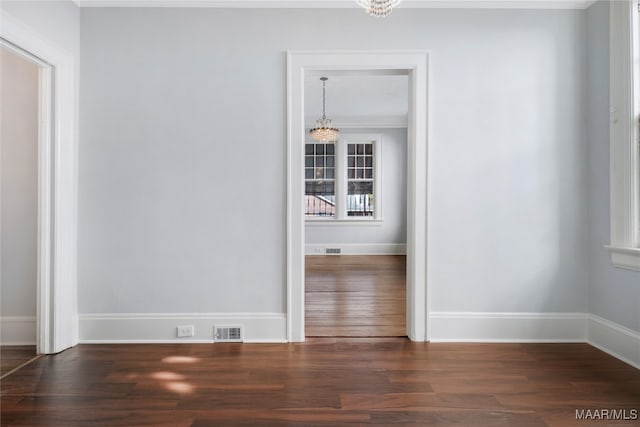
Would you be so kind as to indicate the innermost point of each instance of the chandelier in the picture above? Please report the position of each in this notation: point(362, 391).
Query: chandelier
point(378, 8)
point(324, 132)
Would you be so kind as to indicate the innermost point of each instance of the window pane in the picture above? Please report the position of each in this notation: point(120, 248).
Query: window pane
point(360, 180)
point(330, 173)
point(360, 199)
point(320, 199)
point(360, 187)
point(319, 188)
point(319, 180)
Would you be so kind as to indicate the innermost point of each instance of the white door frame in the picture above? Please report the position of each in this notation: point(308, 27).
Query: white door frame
point(57, 312)
point(415, 64)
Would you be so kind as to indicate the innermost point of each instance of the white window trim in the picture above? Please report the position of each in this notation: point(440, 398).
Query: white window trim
point(341, 218)
point(624, 157)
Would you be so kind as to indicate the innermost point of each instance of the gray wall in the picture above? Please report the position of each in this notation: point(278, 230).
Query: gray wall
point(183, 135)
point(393, 228)
point(19, 184)
point(614, 293)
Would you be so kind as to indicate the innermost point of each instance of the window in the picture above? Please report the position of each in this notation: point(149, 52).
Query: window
point(319, 175)
point(342, 180)
point(624, 134)
point(360, 179)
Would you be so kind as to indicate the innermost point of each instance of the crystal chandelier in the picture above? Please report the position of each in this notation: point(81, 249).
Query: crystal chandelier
point(324, 132)
point(378, 8)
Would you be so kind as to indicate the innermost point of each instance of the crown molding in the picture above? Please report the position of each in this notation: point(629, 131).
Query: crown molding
point(342, 4)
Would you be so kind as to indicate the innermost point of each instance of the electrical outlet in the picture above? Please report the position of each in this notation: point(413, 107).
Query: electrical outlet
point(185, 331)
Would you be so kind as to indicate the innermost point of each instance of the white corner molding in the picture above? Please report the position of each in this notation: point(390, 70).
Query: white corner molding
point(343, 4)
point(507, 327)
point(620, 342)
point(18, 330)
point(119, 328)
point(624, 153)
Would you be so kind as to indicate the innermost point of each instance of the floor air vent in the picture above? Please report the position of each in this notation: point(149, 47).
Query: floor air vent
point(332, 251)
point(228, 333)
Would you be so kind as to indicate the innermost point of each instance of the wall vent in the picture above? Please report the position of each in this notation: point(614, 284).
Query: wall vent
point(228, 333)
point(332, 251)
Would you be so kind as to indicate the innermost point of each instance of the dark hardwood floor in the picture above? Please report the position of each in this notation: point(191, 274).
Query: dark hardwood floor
point(355, 296)
point(383, 381)
point(12, 356)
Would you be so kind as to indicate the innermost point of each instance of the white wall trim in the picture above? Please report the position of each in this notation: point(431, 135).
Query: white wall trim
point(507, 327)
point(18, 330)
point(415, 65)
point(118, 328)
point(610, 337)
point(358, 248)
point(614, 339)
point(343, 4)
point(624, 151)
point(628, 258)
point(58, 183)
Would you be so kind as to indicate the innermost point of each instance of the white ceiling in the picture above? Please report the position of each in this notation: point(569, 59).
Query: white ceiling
point(492, 4)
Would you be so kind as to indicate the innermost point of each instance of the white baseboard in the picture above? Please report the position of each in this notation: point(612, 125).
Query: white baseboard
point(18, 330)
point(507, 327)
point(357, 248)
point(114, 328)
point(620, 342)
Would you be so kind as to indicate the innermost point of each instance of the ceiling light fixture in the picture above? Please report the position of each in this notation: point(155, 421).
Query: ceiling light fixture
point(378, 8)
point(324, 132)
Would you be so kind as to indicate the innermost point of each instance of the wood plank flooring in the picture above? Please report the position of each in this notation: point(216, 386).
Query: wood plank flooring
point(382, 381)
point(355, 296)
point(15, 355)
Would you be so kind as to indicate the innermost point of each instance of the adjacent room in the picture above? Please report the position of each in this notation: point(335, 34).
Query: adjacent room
point(306, 212)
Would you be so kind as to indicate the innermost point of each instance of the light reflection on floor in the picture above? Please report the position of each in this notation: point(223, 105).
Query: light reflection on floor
point(173, 381)
point(180, 359)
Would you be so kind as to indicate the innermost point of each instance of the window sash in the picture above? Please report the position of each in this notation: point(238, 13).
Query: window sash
point(624, 134)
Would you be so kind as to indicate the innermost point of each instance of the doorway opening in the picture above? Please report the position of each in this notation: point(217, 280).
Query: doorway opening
point(19, 111)
point(355, 206)
point(56, 314)
point(414, 66)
